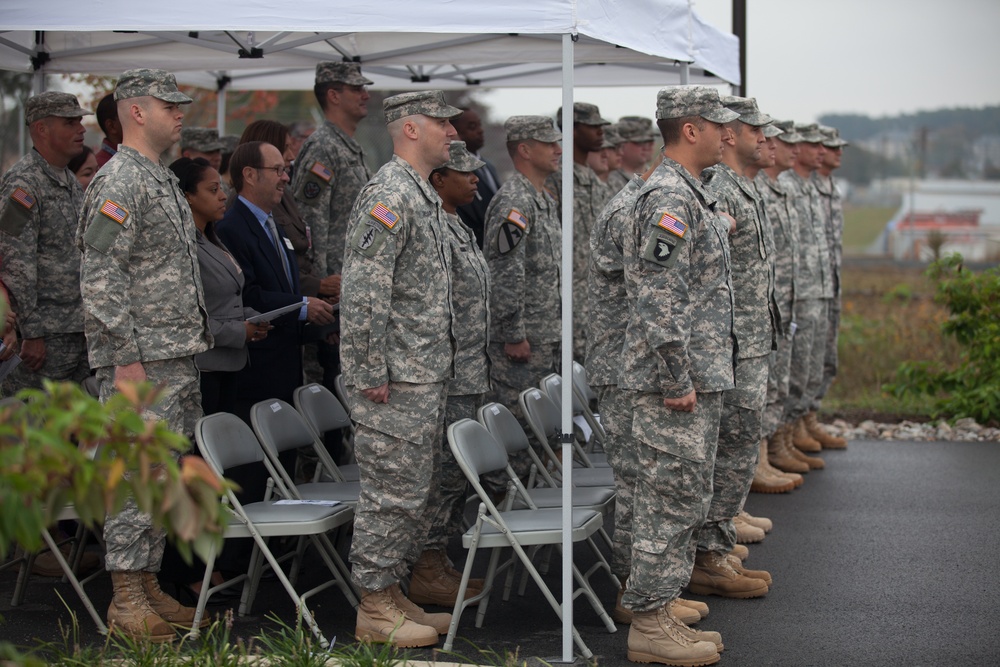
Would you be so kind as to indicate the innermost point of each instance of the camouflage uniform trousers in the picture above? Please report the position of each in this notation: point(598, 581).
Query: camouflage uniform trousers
point(805, 374)
point(830, 359)
point(447, 505)
point(737, 453)
point(777, 386)
point(133, 543)
point(65, 360)
point(616, 418)
point(675, 452)
point(398, 448)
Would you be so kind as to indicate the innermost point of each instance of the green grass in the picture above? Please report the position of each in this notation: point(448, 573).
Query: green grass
point(862, 225)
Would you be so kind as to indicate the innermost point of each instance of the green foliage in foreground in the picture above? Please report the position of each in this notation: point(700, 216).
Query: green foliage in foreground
point(972, 388)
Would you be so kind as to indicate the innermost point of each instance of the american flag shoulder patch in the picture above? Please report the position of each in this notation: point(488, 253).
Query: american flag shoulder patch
point(322, 171)
point(517, 218)
point(114, 211)
point(672, 225)
point(21, 196)
point(384, 215)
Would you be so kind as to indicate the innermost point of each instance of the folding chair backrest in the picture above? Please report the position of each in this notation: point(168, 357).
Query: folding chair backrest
point(279, 426)
point(543, 416)
point(340, 388)
point(321, 409)
point(503, 425)
point(225, 441)
point(581, 383)
point(551, 384)
point(476, 451)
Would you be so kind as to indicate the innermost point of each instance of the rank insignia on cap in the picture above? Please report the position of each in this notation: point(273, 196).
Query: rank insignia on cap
point(21, 196)
point(114, 211)
point(384, 215)
point(322, 171)
point(672, 225)
point(517, 218)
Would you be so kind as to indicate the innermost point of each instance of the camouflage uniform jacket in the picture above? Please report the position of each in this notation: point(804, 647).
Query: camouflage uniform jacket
point(751, 251)
point(617, 180)
point(396, 317)
point(813, 278)
point(680, 293)
point(141, 285)
point(470, 294)
point(608, 297)
point(329, 172)
point(40, 265)
point(784, 223)
point(833, 209)
point(523, 245)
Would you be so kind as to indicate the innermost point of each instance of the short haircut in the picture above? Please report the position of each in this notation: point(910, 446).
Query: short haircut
point(670, 128)
point(512, 146)
point(107, 109)
point(320, 90)
point(268, 131)
point(245, 155)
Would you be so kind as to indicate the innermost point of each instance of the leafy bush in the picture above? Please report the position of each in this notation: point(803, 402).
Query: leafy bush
point(972, 388)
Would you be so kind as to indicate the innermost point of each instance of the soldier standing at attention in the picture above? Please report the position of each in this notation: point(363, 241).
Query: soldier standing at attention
point(678, 361)
point(523, 249)
point(397, 346)
point(145, 318)
point(40, 201)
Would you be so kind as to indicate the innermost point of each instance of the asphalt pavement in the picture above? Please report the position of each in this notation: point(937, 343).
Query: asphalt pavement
point(890, 556)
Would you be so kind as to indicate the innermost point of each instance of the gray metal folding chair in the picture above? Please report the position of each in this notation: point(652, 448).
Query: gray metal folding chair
point(340, 389)
point(225, 441)
point(478, 453)
point(551, 384)
point(545, 422)
point(588, 398)
point(324, 412)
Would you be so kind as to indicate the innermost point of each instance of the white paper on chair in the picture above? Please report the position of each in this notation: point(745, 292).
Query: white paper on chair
point(293, 501)
point(584, 427)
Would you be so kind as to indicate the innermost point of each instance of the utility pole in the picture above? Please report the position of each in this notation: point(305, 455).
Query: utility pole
point(740, 30)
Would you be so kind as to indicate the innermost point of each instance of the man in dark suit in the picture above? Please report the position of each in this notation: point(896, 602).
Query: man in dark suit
point(470, 130)
point(271, 275)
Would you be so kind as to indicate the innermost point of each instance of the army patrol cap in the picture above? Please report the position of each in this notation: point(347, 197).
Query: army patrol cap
point(746, 107)
point(611, 137)
point(771, 130)
point(461, 159)
point(539, 128)
point(157, 83)
point(684, 101)
point(831, 137)
point(53, 103)
point(341, 72)
point(204, 139)
point(425, 103)
point(637, 129)
point(586, 114)
point(229, 143)
point(788, 133)
point(810, 133)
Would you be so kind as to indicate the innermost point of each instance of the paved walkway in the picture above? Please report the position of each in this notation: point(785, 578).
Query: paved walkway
point(890, 556)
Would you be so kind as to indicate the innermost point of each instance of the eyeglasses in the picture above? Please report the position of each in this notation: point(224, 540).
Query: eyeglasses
point(278, 171)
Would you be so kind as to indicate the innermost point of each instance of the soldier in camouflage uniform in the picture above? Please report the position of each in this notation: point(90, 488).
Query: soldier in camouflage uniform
point(202, 142)
point(40, 202)
point(754, 323)
point(638, 138)
point(678, 361)
point(398, 354)
point(434, 579)
point(589, 197)
point(523, 249)
point(144, 315)
point(814, 289)
point(833, 210)
point(784, 224)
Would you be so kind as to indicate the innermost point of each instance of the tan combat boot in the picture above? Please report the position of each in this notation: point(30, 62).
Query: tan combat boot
point(657, 636)
point(761, 522)
point(166, 607)
point(747, 534)
point(130, 613)
point(778, 453)
point(699, 607)
point(415, 613)
point(714, 575)
point(740, 552)
point(814, 462)
point(46, 565)
point(802, 440)
point(622, 614)
point(381, 620)
point(763, 575)
point(434, 581)
point(763, 480)
point(795, 478)
point(819, 433)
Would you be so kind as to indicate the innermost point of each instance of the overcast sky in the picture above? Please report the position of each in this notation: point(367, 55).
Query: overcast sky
point(809, 57)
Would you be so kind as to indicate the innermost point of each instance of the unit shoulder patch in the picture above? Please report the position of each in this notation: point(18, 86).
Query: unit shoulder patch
point(368, 238)
point(662, 249)
point(509, 236)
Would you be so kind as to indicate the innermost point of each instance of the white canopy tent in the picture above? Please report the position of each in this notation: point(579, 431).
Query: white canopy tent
point(401, 44)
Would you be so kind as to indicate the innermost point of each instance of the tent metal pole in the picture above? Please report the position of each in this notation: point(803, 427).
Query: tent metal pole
point(567, 347)
point(220, 104)
point(685, 74)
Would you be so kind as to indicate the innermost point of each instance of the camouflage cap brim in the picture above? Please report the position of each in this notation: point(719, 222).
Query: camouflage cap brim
point(720, 115)
point(461, 159)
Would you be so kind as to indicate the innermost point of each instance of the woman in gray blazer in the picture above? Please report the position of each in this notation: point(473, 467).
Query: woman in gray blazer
point(222, 280)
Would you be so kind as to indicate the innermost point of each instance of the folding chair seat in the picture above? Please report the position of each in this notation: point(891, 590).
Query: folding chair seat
point(585, 433)
point(225, 441)
point(545, 422)
point(324, 412)
point(478, 453)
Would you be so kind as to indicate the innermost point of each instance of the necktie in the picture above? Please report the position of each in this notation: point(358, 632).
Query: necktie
point(276, 238)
